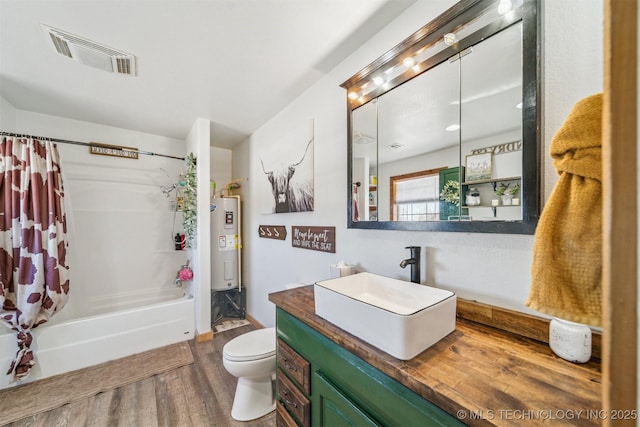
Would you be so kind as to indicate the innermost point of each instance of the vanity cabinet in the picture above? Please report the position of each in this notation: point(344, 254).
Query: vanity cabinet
point(293, 387)
point(344, 389)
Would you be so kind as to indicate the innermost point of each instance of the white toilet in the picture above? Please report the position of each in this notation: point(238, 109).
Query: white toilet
point(252, 358)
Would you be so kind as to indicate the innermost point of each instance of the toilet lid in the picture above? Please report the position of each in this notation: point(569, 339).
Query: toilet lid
point(254, 345)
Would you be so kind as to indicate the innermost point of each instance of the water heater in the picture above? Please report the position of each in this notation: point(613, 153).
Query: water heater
point(225, 243)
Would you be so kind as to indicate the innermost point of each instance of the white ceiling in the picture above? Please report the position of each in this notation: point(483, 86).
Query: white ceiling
point(234, 62)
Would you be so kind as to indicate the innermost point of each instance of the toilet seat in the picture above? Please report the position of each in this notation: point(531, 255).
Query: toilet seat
point(254, 345)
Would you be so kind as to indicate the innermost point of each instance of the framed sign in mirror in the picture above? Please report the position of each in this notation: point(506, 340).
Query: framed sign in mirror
point(431, 120)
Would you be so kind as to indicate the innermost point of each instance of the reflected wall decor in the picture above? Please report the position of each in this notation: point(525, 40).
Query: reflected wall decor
point(478, 167)
point(287, 165)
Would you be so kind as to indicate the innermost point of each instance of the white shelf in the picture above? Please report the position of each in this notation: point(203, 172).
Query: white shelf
point(492, 180)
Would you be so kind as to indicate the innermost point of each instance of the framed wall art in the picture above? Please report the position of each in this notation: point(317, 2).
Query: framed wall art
point(478, 167)
point(287, 167)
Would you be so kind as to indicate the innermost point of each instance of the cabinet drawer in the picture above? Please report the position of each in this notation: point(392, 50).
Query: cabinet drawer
point(294, 365)
point(283, 419)
point(296, 402)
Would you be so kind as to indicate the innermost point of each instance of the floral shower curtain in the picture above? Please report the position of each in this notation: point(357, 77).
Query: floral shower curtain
point(34, 281)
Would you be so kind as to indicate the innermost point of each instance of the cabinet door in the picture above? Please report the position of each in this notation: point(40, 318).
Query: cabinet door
point(334, 408)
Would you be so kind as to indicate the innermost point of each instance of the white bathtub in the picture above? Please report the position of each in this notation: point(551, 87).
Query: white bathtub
point(77, 343)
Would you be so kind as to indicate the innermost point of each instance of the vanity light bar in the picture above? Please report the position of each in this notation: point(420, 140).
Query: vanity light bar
point(421, 50)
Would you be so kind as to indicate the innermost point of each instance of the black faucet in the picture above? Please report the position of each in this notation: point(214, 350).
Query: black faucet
point(414, 261)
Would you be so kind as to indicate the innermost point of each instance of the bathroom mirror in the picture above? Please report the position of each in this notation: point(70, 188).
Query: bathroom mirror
point(448, 120)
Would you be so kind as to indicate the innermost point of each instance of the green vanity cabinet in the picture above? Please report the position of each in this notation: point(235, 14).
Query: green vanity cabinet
point(336, 409)
point(347, 391)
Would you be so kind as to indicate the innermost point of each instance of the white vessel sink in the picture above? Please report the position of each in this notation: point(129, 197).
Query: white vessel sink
point(399, 317)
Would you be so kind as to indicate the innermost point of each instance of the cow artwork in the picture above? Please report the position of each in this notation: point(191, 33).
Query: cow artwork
point(292, 192)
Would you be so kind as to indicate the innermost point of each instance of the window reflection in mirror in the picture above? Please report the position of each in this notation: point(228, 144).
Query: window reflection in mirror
point(415, 196)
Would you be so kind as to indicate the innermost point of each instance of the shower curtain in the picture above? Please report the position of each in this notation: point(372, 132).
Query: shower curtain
point(34, 281)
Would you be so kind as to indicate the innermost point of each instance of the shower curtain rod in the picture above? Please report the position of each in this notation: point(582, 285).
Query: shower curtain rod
point(89, 144)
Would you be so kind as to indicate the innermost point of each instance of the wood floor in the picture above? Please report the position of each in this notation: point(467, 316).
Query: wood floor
point(200, 394)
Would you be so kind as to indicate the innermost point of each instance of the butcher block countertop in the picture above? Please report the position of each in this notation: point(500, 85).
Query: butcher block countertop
point(479, 374)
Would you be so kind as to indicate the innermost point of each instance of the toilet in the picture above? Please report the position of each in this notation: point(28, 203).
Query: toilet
point(252, 358)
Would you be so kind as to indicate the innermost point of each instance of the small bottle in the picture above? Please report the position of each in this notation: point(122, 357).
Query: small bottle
point(178, 242)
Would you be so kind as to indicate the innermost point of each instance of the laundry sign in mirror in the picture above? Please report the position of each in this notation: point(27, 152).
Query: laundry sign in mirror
point(321, 239)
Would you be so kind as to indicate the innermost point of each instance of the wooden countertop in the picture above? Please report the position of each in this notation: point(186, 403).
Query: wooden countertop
point(479, 374)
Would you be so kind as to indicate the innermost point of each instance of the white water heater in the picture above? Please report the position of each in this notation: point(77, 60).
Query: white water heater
point(225, 243)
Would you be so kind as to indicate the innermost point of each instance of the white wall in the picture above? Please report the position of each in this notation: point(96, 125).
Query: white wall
point(7, 116)
point(573, 64)
point(487, 267)
point(198, 143)
point(220, 167)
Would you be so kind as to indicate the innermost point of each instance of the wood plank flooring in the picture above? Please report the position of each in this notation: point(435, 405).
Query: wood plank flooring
point(200, 394)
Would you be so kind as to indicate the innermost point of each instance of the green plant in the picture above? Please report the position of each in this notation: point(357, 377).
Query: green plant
point(451, 192)
point(507, 189)
point(513, 190)
point(190, 220)
point(501, 189)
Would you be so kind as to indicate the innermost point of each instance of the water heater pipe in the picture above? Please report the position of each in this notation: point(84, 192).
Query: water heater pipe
point(239, 251)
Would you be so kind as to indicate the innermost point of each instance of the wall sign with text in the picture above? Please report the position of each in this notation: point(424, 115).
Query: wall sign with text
point(113, 150)
point(321, 239)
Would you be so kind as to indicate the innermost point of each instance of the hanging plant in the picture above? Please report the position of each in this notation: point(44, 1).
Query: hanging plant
point(190, 220)
point(451, 192)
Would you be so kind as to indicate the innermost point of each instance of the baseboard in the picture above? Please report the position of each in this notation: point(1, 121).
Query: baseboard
point(254, 322)
point(207, 336)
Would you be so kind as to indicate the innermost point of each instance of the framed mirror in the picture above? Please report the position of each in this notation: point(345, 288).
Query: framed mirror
point(443, 130)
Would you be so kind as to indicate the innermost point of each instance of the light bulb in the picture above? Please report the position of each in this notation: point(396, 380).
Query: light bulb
point(504, 6)
point(353, 96)
point(409, 62)
point(450, 39)
point(378, 80)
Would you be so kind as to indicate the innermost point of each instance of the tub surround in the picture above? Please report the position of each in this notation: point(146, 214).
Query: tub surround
point(490, 376)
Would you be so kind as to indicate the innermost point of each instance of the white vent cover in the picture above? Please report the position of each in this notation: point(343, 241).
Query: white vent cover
point(90, 53)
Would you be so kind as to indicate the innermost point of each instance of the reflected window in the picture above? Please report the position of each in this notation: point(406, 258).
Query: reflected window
point(415, 196)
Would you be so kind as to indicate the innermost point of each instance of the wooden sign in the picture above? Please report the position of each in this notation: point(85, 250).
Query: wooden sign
point(113, 150)
point(321, 239)
point(278, 232)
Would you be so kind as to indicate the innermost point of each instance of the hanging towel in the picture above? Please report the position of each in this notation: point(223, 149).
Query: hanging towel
point(567, 249)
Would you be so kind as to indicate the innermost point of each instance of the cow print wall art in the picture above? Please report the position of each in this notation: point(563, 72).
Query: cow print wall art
point(286, 166)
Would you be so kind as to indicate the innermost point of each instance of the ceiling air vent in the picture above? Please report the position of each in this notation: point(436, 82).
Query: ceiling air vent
point(91, 53)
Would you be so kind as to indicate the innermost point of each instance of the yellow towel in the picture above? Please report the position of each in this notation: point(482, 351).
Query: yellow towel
point(567, 250)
